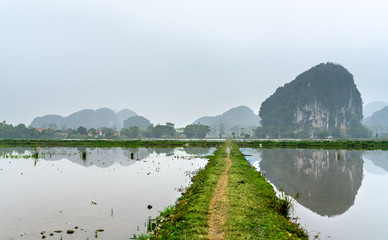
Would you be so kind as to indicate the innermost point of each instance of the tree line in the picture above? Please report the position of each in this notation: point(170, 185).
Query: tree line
point(168, 130)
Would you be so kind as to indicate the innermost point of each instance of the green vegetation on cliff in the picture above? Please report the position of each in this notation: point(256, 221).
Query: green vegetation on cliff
point(323, 101)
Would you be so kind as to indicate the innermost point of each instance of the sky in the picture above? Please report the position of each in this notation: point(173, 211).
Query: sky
point(176, 61)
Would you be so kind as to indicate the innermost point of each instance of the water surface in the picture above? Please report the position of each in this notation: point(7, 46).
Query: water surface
point(342, 192)
point(114, 189)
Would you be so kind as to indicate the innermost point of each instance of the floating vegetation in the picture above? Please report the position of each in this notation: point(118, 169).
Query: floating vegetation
point(97, 231)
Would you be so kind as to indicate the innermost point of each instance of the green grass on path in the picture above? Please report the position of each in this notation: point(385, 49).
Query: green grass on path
point(251, 198)
point(251, 212)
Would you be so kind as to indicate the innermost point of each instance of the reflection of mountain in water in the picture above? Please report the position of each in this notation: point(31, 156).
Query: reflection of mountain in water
point(199, 151)
point(102, 157)
point(327, 180)
point(18, 150)
point(379, 158)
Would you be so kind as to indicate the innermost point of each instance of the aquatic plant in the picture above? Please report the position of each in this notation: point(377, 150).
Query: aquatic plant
point(283, 204)
point(83, 155)
point(154, 224)
point(35, 154)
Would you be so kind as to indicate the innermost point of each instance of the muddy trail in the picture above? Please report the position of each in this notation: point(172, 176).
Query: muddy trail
point(219, 204)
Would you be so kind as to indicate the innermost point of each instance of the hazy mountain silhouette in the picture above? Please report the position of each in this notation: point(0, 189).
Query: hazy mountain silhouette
point(238, 117)
point(378, 121)
point(88, 118)
point(373, 107)
point(139, 121)
point(124, 115)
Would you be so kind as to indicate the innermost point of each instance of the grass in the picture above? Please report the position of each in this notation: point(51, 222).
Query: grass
point(252, 205)
point(189, 218)
point(254, 210)
point(321, 144)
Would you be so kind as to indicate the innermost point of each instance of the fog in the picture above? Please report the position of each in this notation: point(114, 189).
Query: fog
point(179, 60)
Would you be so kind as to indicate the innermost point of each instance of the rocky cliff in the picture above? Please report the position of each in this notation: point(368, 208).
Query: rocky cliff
point(320, 102)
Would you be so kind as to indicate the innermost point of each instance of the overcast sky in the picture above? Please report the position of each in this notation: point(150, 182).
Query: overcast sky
point(179, 60)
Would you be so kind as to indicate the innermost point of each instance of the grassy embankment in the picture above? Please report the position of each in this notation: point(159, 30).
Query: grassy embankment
point(251, 204)
point(320, 144)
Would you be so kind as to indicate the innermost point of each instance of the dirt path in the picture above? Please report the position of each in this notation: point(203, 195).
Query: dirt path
point(219, 204)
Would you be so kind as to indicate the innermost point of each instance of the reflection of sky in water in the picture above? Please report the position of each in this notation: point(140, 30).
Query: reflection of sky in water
point(58, 193)
point(365, 218)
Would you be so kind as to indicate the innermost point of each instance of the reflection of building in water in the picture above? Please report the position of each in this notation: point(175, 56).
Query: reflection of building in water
point(327, 180)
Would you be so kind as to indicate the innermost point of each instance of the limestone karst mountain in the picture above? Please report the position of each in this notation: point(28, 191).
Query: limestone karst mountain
point(323, 101)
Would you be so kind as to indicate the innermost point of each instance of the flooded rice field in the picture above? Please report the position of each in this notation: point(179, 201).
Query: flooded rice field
point(342, 193)
point(109, 194)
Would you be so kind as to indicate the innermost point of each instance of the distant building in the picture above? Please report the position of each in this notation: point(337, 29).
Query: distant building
point(39, 129)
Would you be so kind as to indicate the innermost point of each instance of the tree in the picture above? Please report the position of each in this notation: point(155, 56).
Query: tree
point(132, 132)
point(164, 131)
point(81, 130)
point(108, 132)
point(196, 131)
point(221, 130)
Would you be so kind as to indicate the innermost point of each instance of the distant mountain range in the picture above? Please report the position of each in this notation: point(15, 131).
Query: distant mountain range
point(141, 122)
point(88, 118)
point(373, 107)
point(378, 119)
point(231, 121)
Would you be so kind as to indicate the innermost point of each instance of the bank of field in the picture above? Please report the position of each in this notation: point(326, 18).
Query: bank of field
point(250, 211)
point(107, 143)
point(313, 144)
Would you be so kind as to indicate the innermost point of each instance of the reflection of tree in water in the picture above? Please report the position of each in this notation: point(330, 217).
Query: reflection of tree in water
point(327, 180)
point(17, 150)
point(379, 158)
point(198, 151)
point(167, 151)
